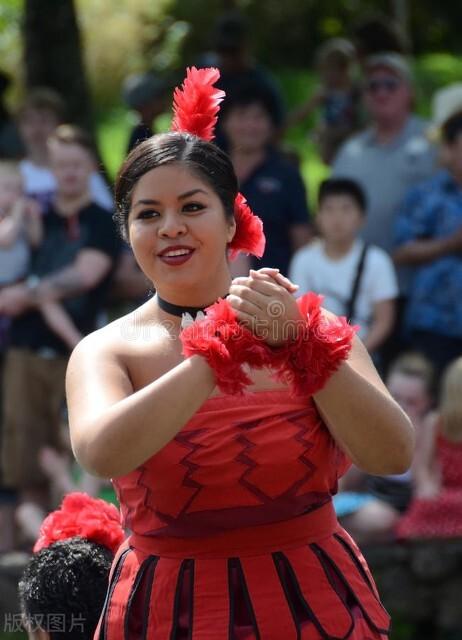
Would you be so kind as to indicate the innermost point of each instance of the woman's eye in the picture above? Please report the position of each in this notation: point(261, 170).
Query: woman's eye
point(147, 214)
point(193, 206)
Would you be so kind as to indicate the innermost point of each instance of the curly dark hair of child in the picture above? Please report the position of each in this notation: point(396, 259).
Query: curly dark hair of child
point(63, 588)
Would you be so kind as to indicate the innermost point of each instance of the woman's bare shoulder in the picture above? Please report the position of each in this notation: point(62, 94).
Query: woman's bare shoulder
point(124, 338)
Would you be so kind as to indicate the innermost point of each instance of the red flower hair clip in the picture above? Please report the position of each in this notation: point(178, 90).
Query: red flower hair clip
point(249, 236)
point(195, 110)
point(83, 516)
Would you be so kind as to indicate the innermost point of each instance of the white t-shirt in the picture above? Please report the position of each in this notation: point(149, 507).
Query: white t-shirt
point(314, 271)
point(40, 184)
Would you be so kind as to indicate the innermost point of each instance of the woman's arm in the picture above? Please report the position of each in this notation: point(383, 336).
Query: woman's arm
point(355, 404)
point(363, 417)
point(114, 429)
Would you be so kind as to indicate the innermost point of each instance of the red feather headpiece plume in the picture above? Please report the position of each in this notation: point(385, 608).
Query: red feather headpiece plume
point(195, 108)
point(83, 516)
point(196, 104)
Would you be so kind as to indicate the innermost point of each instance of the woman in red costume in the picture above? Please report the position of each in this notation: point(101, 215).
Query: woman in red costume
point(225, 436)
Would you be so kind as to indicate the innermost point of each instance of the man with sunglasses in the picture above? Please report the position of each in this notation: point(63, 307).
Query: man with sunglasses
point(393, 154)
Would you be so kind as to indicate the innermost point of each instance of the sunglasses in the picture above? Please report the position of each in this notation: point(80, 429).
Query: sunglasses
point(390, 85)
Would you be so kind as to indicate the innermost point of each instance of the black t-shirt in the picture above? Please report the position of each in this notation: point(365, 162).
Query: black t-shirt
point(63, 239)
point(139, 133)
point(276, 193)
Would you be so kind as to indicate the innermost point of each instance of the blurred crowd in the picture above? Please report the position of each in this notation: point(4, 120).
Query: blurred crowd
point(383, 247)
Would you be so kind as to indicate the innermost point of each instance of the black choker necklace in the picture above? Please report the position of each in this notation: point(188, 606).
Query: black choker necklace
point(178, 310)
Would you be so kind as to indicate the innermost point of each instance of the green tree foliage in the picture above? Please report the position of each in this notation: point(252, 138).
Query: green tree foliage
point(286, 34)
point(10, 48)
point(127, 36)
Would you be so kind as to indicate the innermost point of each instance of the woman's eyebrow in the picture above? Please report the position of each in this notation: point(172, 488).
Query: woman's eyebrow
point(183, 196)
point(187, 194)
point(144, 202)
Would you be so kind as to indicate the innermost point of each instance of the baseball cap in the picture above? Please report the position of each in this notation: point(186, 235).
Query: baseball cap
point(390, 60)
point(446, 102)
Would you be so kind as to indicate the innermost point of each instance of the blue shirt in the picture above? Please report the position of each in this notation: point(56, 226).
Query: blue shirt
point(433, 210)
point(276, 193)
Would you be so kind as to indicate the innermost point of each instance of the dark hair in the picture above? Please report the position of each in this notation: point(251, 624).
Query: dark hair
point(452, 128)
point(342, 187)
point(202, 158)
point(230, 32)
point(248, 95)
point(43, 99)
point(63, 588)
point(376, 33)
point(71, 134)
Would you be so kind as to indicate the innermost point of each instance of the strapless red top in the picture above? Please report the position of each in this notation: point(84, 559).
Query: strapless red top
point(234, 534)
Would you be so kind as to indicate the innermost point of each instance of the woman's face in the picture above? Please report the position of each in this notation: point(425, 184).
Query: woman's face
point(178, 230)
point(248, 127)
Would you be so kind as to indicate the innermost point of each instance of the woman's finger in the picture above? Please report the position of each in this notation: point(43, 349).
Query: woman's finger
point(250, 294)
point(241, 304)
point(276, 277)
point(247, 319)
point(267, 287)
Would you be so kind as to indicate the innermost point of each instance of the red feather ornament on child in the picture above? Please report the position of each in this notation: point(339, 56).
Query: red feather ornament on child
point(83, 516)
point(195, 110)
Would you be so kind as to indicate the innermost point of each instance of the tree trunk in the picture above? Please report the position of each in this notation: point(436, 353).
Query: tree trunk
point(53, 57)
point(401, 13)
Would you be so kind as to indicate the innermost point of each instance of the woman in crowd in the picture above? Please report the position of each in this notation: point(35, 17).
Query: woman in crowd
point(225, 436)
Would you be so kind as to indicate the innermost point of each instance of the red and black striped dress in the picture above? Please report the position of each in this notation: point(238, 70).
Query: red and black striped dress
point(234, 535)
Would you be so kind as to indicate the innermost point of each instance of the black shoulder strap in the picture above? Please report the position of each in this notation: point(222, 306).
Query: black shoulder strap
point(350, 307)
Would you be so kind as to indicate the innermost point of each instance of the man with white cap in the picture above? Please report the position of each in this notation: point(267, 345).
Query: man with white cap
point(429, 237)
point(393, 154)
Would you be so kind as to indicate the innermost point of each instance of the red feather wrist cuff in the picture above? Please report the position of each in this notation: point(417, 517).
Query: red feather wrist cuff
point(307, 362)
point(304, 363)
point(226, 345)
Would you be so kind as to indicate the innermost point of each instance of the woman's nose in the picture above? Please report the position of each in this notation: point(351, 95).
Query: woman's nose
point(172, 226)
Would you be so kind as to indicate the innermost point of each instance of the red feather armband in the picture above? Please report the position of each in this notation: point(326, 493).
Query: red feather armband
point(307, 362)
point(304, 363)
point(226, 345)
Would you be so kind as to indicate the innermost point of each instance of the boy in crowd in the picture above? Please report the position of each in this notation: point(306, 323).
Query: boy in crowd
point(357, 280)
point(72, 267)
point(39, 115)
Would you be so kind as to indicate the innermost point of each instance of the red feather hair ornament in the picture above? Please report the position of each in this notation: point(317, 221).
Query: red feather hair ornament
point(83, 516)
point(196, 104)
point(195, 110)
